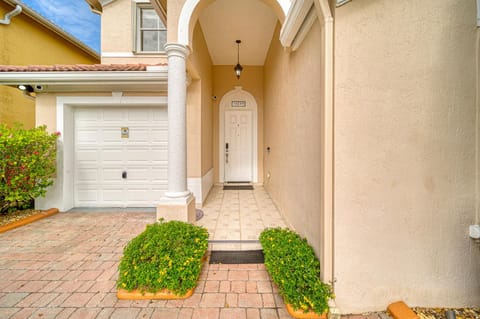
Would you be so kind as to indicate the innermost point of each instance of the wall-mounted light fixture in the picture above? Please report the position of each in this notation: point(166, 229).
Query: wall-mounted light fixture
point(238, 68)
point(25, 88)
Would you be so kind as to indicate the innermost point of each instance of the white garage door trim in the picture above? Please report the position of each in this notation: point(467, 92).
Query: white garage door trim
point(61, 194)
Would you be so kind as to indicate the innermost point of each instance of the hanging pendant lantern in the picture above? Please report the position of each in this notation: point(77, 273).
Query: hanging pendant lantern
point(238, 68)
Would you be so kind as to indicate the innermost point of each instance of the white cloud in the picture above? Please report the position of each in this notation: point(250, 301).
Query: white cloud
point(74, 16)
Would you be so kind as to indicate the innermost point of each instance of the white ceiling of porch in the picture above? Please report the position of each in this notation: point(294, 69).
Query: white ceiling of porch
point(225, 21)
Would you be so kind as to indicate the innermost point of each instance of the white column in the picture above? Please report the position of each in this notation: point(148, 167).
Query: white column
point(177, 130)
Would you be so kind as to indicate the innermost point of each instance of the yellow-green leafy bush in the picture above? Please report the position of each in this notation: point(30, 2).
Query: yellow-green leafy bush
point(27, 165)
point(294, 268)
point(167, 255)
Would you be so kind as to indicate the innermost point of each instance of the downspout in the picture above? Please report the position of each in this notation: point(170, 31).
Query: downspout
point(11, 14)
point(478, 13)
point(477, 102)
point(327, 196)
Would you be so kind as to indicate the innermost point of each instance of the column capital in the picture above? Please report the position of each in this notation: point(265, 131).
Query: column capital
point(176, 49)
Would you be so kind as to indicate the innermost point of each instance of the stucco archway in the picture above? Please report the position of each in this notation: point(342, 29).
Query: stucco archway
point(192, 9)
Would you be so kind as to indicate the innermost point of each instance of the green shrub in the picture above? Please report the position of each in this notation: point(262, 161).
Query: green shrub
point(27, 165)
point(167, 255)
point(294, 268)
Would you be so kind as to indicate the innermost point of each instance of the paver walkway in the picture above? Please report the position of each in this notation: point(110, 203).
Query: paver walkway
point(65, 266)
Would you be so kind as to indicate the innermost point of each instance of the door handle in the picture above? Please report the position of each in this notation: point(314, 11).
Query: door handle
point(226, 153)
point(124, 174)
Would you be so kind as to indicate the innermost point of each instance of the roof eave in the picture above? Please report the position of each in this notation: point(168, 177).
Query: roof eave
point(88, 81)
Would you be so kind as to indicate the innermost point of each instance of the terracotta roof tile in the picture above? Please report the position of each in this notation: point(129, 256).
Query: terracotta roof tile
point(75, 67)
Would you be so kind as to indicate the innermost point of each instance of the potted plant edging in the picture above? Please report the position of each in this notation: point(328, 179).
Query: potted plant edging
point(294, 268)
point(163, 262)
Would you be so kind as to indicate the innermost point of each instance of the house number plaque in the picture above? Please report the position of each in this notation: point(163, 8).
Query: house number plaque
point(125, 132)
point(239, 103)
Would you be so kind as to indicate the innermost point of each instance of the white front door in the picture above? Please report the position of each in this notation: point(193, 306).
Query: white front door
point(121, 156)
point(238, 146)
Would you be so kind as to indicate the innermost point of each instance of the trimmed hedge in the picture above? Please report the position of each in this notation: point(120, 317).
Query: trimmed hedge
point(294, 268)
point(167, 255)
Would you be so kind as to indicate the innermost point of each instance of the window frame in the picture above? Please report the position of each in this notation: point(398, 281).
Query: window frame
point(138, 6)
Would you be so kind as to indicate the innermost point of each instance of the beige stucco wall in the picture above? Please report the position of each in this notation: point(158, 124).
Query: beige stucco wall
point(405, 145)
point(199, 108)
point(224, 81)
point(293, 102)
point(26, 42)
point(117, 35)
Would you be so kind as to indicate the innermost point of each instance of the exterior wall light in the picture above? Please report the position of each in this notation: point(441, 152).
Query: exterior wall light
point(25, 88)
point(238, 68)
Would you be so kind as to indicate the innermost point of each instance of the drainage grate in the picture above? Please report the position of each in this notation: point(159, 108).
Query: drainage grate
point(237, 257)
point(237, 187)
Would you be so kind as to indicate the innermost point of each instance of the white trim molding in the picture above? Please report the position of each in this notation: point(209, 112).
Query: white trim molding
point(200, 186)
point(295, 22)
point(304, 29)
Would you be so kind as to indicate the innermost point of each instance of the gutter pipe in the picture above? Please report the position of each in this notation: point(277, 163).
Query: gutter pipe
point(342, 2)
point(11, 14)
point(478, 13)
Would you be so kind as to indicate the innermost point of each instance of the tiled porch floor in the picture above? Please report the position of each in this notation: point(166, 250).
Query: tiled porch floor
point(236, 216)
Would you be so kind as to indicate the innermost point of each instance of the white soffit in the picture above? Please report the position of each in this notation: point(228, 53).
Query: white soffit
point(225, 21)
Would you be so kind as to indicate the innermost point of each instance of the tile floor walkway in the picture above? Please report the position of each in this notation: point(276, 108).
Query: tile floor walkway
point(238, 215)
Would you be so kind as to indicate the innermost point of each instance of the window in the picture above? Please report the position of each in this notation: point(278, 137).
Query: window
point(151, 32)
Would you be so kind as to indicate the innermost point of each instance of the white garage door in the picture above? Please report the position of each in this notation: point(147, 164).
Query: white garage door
point(121, 156)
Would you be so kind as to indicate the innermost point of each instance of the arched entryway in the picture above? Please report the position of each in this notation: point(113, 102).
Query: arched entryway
point(298, 151)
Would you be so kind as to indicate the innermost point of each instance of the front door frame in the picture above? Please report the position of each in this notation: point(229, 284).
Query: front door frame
point(237, 94)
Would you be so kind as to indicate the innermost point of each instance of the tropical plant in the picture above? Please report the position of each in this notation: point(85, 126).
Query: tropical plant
point(27, 165)
point(166, 256)
point(294, 268)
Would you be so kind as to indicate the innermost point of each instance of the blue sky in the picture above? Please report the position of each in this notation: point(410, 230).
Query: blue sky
point(73, 16)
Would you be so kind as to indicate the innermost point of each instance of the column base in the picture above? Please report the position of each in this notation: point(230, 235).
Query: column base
point(182, 209)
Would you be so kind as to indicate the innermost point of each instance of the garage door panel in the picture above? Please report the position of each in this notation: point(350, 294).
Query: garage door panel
point(113, 194)
point(87, 155)
point(159, 155)
point(88, 115)
point(139, 115)
point(138, 134)
point(110, 115)
point(111, 135)
point(88, 175)
point(112, 175)
point(159, 135)
point(101, 155)
point(112, 156)
point(87, 137)
point(160, 174)
point(87, 195)
point(159, 115)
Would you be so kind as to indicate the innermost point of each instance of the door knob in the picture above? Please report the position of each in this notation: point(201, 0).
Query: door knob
point(124, 175)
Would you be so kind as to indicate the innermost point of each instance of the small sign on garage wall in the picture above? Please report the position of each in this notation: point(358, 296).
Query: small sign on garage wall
point(125, 132)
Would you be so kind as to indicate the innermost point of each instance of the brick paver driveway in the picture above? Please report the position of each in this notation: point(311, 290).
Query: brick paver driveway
point(65, 266)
